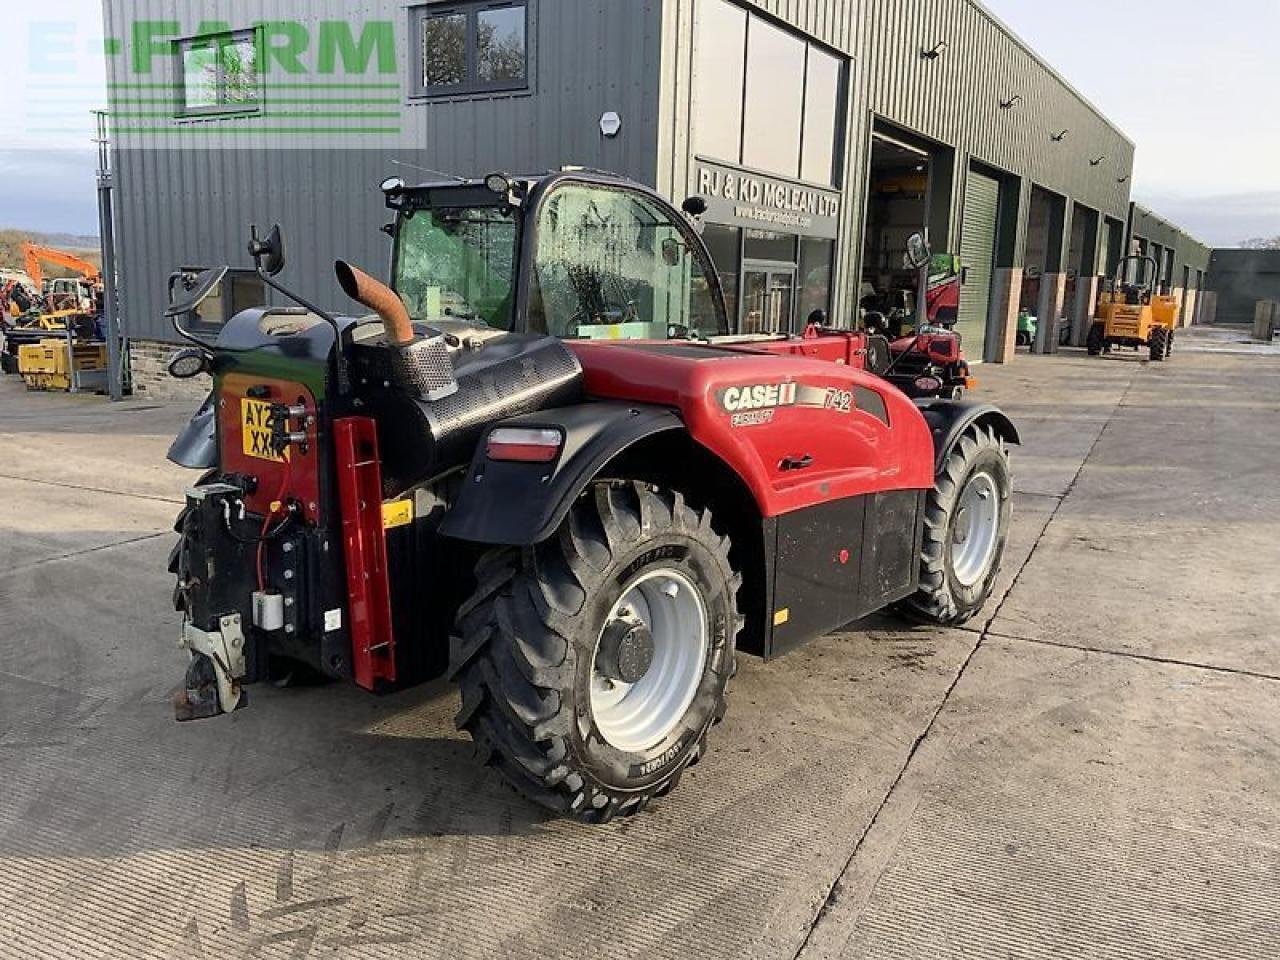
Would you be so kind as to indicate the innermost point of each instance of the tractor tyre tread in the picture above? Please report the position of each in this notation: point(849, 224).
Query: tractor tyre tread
point(514, 658)
point(1096, 340)
point(1159, 344)
point(935, 602)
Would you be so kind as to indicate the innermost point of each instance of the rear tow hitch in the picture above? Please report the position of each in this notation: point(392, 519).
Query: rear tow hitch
point(212, 684)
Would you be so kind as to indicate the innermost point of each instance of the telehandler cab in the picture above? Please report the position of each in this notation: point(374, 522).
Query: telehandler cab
point(546, 467)
point(1134, 315)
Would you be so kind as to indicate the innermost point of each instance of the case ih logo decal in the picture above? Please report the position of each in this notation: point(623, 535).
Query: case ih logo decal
point(757, 403)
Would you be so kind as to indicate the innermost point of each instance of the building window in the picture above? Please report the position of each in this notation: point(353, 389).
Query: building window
point(721, 71)
point(766, 98)
point(725, 245)
point(470, 48)
point(240, 290)
point(219, 74)
point(774, 108)
point(816, 261)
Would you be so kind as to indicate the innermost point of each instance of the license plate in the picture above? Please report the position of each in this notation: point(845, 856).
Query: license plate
point(255, 431)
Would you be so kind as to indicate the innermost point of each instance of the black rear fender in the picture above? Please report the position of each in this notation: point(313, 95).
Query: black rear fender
point(949, 419)
point(519, 504)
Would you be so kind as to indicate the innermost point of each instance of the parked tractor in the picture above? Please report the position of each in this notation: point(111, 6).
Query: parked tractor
point(544, 467)
point(1134, 315)
point(922, 355)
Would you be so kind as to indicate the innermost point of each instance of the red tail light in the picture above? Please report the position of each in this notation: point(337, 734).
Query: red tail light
point(524, 444)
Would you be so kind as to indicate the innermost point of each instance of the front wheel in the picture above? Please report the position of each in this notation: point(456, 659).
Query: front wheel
point(1096, 339)
point(592, 665)
point(1159, 343)
point(965, 529)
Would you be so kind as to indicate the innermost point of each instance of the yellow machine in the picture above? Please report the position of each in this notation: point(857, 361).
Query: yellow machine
point(54, 364)
point(1134, 315)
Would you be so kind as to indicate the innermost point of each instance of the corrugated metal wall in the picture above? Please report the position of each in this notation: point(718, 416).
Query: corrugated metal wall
point(1241, 278)
point(1188, 251)
point(187, 198)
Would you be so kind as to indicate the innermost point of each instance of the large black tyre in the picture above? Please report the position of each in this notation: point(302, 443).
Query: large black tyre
point(953, 585)
point(1096, 339)
point(1168, 346)
point(529, 644)
point(1159, 343)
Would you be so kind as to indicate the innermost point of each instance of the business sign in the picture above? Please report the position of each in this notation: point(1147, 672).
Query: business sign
point(743, 199)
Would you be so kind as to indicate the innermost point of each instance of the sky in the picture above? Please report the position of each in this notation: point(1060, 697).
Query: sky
point(1193, 84)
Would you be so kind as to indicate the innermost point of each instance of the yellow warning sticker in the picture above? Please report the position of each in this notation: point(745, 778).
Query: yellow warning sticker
point(781, 616)
point(397, 513)
point(255, 433)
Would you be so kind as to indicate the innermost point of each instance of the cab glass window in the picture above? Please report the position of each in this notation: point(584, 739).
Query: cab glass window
point(458, 263)
point(612, 265)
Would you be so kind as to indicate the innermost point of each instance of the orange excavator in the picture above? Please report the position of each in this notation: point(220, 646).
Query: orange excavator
point(64, 295)
point(55, 343)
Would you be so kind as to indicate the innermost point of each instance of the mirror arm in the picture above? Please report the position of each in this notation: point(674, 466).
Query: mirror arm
point(177, 325)
point(340, 358)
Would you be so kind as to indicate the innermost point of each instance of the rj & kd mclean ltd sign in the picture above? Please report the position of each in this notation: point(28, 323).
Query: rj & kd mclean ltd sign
point(750, 200)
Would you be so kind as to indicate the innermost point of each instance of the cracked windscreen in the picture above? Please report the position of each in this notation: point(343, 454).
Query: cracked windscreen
point(458, 264)
point(611, 265)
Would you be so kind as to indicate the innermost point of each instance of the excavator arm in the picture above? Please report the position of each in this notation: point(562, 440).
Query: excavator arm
point(34, 255)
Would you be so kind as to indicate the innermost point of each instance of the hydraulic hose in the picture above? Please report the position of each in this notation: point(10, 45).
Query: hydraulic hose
point(379, 298)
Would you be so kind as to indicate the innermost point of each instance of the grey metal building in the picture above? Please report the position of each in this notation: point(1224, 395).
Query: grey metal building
point(823, 132)
point(1241, 278)
point(1184, 260)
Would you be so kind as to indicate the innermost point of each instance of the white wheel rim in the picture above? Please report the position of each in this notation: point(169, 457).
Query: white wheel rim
point(975, 530)
point(636, 717)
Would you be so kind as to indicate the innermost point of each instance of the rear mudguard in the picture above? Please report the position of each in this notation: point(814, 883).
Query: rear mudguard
point(949, 419)
point(196, 446)
point(519, 504)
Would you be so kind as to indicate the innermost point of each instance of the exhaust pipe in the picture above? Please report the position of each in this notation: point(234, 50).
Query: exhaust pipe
point(379, 298)
point(419, 365)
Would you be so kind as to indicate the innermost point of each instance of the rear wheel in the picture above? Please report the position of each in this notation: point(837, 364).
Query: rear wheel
point(965, 530)
point(1096, 339)
point(592, 665)
point(1168, 347)
point(1159, 343)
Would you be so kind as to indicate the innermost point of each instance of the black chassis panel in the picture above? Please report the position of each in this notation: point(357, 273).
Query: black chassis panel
point(840, 561)
point(219, 564)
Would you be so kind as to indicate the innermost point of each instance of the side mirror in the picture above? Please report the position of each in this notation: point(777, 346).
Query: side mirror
point(918, 253)
point(187, 290)
point(268, 254)
point(694, 206)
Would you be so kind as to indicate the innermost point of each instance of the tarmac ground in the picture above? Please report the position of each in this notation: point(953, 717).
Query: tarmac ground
point(1090, 769)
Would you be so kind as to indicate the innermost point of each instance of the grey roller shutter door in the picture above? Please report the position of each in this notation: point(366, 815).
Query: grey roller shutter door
point(978, 254)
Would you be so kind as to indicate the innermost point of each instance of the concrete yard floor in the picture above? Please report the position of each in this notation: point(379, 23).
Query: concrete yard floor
point(1089, 769)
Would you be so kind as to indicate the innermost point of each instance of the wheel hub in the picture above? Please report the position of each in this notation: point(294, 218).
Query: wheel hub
point(975, 530)
point(649, 660)
point(626, 650)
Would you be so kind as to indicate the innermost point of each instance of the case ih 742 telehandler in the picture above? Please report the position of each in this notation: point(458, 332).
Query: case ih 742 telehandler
point(546, 468)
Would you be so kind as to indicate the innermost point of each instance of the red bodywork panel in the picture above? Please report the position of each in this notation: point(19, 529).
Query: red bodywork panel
point(301, 482)
point(359, 472)
point(794, 408)
point(834, 346)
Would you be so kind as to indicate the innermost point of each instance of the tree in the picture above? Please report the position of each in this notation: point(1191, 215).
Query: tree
point(1261, 243)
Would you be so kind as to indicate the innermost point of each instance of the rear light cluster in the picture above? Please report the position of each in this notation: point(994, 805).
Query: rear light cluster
point(524, 444)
